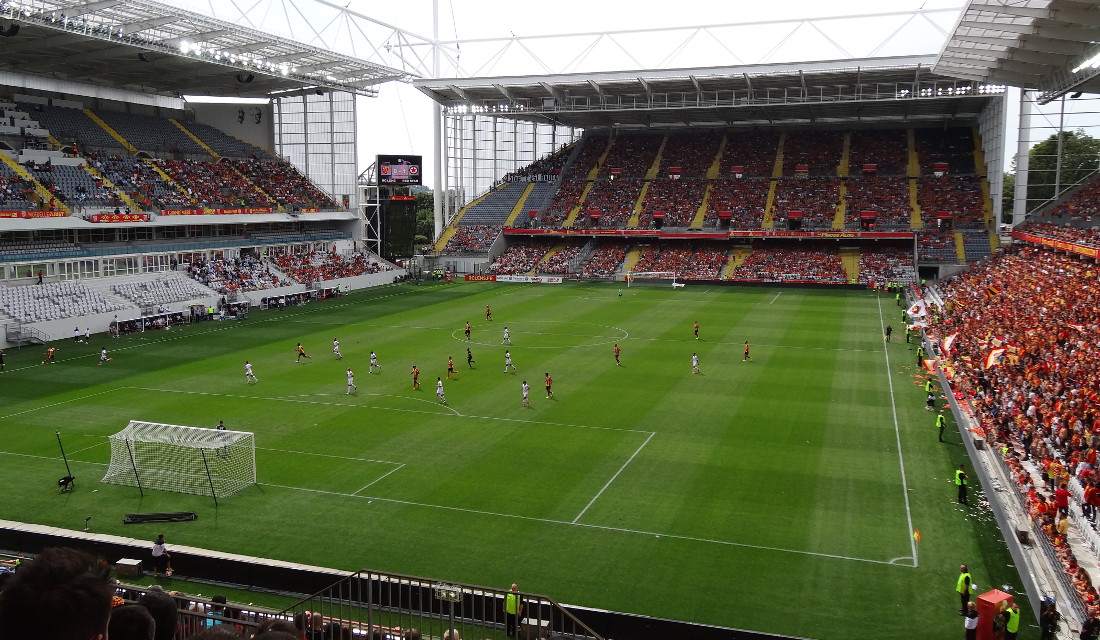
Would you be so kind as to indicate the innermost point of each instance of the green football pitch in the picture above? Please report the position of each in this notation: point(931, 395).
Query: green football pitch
point(779, 494)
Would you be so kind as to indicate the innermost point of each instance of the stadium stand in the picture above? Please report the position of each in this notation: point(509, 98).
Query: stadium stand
point(787, 263)
point(953, 147)
point(887, 150)
point(691, 153)
point(53, 301)
point(815, 198)
point(70, 125)
point(162, 290)
point(153, 135)
point(754, 152)
point(958, 196)
point(614, 200)
point(936, 245)
point(238, 274)
point(73, 185)
point(558, 264)
point(1081, 208)
point(520, 258)
point(1089, 237)
point(677, 199)
point(606, 259)
point(819, 151)
point(886, 264)
point(139, 181)
point(319, 266)
point(474, 238)
point(15, 192)
point(281, 181)
point(215, 185)
point(745, 199)
point(887, 197)
point(226, 145)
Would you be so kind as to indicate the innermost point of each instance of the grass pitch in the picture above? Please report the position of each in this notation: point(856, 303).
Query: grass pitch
point(778, 494)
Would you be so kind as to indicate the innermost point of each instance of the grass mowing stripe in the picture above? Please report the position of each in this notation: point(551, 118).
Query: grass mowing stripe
point(909, 532)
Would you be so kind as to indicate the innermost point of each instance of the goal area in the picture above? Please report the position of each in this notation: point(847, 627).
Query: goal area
point(195, 460)
point(652, 278)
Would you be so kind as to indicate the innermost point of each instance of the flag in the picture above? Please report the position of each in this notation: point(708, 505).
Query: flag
point(929, 364)
point(994, 357)
point(919, 309)
point(993, 290)
point(916, 534)
point(1079, 327)
point(949, 342)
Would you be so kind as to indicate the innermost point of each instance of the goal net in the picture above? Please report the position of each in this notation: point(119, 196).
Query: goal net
point(168, 457)
point(658, 278)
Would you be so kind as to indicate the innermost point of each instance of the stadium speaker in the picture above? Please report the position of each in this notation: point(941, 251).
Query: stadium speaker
point(1075, 95)
point(12, 30)
point(246, 79)
point(141, 56)
point(1024, 537)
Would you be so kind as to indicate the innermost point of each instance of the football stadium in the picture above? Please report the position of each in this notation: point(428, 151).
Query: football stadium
point(639, 334)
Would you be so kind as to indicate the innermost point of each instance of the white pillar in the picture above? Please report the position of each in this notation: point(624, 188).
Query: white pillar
point(1019, 199)
point(437, 129)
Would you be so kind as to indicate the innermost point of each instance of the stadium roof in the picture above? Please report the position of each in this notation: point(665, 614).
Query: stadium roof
point(1032, 44)
point(150, 47)
point(869, 90)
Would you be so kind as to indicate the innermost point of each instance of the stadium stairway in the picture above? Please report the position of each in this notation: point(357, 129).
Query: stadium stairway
point(716, 165)
point(850, 259)
point(575, 211)
point(777, 168)
point(452, 228)
point(842, 206)
point(736, 259)
point(979, 168)
point(916, 221)
point(912, 169)
point(769, 206)
point(114, 134)
point(549, 254)
point(650, 176)
point(631, 259)
point(701, 212)
point(845, 155)
point(42, 192)
point(110, 185)
point(960, 247)
point(167, 178)
point(187, 132)
point(511, 221)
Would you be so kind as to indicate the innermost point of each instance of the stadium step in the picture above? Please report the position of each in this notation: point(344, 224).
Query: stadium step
point(42, 192)
point(278, 207)
point(845, 155)
point(632, 222)
point(656, 166)
point(842, 206)
point(167, 178)
point(912, 169)
point(575, 211)
point(738, 255)
point(110, 185)
point(716, 166)
point(451, 228)
point(511, 221)
point(701, 212)
point(769, 205)
point(632, 258)
point(916, 220)
point(194, 137)
point(595, 171)
point(960, 247)
point(111, 132)
point(550, 254)
point(777, 168)
point(850, 259)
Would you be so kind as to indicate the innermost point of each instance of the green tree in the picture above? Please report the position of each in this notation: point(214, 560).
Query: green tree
point(1008, 191)
point(425, 217)
point(1080, 157)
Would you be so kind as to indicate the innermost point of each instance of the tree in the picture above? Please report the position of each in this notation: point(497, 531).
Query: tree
point(1008, 196)
point(425, 217)
point(1080, 157)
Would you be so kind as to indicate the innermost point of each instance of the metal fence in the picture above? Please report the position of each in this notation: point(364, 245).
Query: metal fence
point(390, 607)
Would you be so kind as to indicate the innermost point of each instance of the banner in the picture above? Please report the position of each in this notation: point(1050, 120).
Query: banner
point(119, 217)
point(214, 212)
point(33, 214)
point(480, 278)
point(1072, 247)
point(531, 279)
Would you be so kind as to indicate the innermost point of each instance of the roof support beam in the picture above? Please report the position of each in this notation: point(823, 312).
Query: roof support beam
point(596, 87)
point(462, 94)
point(554, 93)
point(646, 86)
point(92, 7)
point(504, 92)
point(695, 81)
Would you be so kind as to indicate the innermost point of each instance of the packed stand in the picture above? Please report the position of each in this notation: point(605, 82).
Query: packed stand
point(745, 199)
point(692, 153)
point(816, 198)
point(592, 147)
point(820, 151)
point(1040, 397)
point(214, 185)
point(792, 264)
point(614, 200)
point(887, 149)
point(936, 245)
point(961, 196)
point(888, 197)
point(521, 257)
point(886, 264)
point(318, 266)
point(672, 257)
point(236, 274)
point(472, 239)
point(558, 264)
point(605, 260)
point(161, 290)
point(567, 197)
point(281, 181)
point(754, 152)
point(1081, 207)
point(953, 147)
point(706, 263)
point(631, 155)
point(139, 181)
point(53, 301)
point(1087, 237)
point(678, 199)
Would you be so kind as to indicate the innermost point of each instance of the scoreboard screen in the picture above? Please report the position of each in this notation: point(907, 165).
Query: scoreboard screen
point(399, 170)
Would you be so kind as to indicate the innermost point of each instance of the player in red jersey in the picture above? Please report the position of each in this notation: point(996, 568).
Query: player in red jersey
point(416, 378)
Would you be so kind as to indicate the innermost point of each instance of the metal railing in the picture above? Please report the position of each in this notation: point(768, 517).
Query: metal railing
point(393, 605)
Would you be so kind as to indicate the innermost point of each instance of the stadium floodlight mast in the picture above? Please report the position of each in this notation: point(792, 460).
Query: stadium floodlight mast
point(195, 460)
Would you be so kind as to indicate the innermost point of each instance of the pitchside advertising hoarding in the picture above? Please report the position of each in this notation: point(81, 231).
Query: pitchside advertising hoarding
point(526, 279)
point(399, 171)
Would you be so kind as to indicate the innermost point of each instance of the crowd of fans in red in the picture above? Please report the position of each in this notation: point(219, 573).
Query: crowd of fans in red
point(677, 199)
point(317, 266)
point(887, 264)
point(819, 151)
point(1088, 237)
point(961, 196)
point(558, 264)
point(691, 153)
point(1042, 398)
point(1082, 206)
point(887, 149)
point(475, 238)
point(785, 263)
point(887, 197)
point(284, 183)
point(214, 185)
point(520, 258)
point(613, 199)
point(816, 198)
point(744, 198)
point(936, 245)
point(548, 165)
point(606, 259)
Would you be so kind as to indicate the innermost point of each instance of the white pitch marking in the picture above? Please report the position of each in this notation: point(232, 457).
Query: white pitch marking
point(47, 406)
point(776, 297)
point(329, 404)
point(608, 484)
point(31, 455)
point(99, 444)
point(327, 455)
point(897, 436)
point(379, 479)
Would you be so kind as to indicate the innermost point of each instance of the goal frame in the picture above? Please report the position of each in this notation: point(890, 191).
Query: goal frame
point(651, 276)
point(182, 459)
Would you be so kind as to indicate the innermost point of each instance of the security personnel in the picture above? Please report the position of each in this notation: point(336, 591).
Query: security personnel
point(960, 482)
point(920, 355)
point(941, 422)
point(963, 588)
point(513, 607)
point(1012, 623)
point(897, 298)
point(928, 385)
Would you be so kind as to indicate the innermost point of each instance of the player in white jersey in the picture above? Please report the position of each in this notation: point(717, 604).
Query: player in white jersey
point(526, 390)
point(508, 361)
point(248, 375)
point(694, 363)
point(351, 381)
point(374, 362)
point(507, 337)
point(439, 390)
point(336, 349)
point(103, 358)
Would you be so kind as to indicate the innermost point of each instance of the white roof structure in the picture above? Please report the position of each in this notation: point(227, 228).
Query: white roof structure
point(1031, 44)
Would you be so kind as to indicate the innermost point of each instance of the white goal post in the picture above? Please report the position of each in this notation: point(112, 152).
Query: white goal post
point(196, 460)
point(665, 278)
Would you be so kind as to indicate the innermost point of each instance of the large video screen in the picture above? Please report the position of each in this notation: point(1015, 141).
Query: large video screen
point(399, 170)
